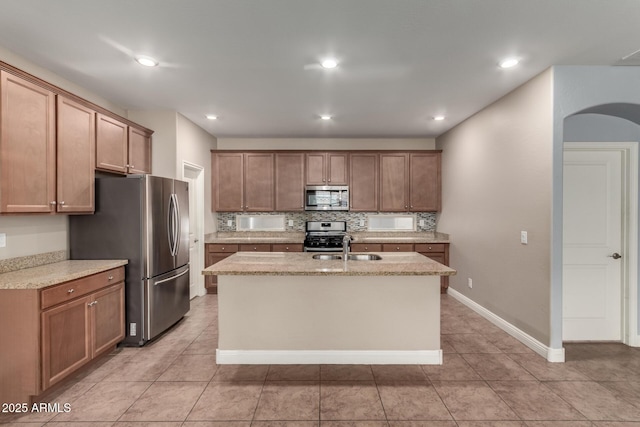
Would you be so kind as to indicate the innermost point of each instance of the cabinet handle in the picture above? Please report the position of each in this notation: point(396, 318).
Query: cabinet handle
point(366, 248)
point(52, 203)
point(92, 303)
point(62, 203)
point(255, 249)
point(223, 248)
point(429, 247)
point(329, 179)
point(286, 248)
point(70, 291)
point(397, 248)
point(132, 166)
point(110, 277)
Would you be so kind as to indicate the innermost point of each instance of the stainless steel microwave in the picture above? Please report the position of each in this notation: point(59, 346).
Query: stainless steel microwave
point(326, 198)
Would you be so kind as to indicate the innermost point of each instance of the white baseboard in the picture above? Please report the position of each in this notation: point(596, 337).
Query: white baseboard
point(329, 357)
point(551, 354)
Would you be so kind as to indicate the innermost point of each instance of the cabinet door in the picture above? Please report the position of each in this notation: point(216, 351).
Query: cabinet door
point(394, 170)
point(66, 344)
point(27, 146)
point(228, 182)
point(363, 182)
point(289, 186)
point(316, 169)
point(258, 182)
point(211, 281)
point(424, 182)
point(75, 156)
point(287, 247)
point(139, 158)
point(337, 167)
point(107, 318)
point(111, 144)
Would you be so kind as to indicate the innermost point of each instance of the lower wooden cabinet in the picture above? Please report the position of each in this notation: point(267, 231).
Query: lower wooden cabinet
point(215, 252)
point(61, 328)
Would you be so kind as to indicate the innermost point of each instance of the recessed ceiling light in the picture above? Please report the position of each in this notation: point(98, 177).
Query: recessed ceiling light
point(147, 61)
point(438, 118)
point(326, 117)
point(329, 63)
point(509, 62)
point(211, 117)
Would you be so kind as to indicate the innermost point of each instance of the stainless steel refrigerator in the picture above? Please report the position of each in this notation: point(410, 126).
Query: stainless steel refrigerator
point(144, 219)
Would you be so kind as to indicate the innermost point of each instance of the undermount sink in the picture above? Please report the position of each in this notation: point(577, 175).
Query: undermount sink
point(363, 257)
point(327, 257)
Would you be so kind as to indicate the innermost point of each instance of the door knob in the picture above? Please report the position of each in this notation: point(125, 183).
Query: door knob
point(615, 255)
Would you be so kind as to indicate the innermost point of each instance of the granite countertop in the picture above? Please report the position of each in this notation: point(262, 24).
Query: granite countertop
point(302, 264)
point(298, 237)
point(55, 273)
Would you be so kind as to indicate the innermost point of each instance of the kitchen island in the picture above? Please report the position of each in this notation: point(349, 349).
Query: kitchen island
point(289, 308)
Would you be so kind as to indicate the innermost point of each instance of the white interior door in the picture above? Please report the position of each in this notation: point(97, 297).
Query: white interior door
point(592, 233)
point(195, 177)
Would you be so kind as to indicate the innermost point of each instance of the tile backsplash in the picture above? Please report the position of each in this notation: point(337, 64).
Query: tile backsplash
point(300, 218)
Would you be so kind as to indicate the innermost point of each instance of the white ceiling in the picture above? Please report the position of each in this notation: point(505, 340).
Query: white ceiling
point(253, 62)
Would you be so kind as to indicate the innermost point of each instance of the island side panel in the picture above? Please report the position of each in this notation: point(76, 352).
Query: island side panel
point(371, 313)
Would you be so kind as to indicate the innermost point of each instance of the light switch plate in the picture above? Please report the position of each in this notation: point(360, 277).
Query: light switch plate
point(290, 223)
point(3, 240)
point(229, 223)
point(524, 239)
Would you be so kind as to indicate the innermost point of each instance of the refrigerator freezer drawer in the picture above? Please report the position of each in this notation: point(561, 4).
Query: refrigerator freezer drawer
point(167, 300)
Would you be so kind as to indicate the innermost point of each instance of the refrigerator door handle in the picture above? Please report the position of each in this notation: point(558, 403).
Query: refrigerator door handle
point(171, 278)
point(176, 204)
point(171, 226)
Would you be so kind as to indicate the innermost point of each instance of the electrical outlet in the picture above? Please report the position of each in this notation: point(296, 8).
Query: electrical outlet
point(290, 223)
point(523, 238)
point(3, 240)
point(362, 223)
point(229, 223)
point(470, 282)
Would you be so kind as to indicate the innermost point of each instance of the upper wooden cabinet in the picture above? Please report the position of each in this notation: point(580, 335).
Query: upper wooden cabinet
point(258, 182)
point(379, 181)
point(122, 148)
point(243, 182)
point(424, 182)
point(111, 144)
point(75, 156)
point(410, 182)
point(139, 158)
point(394, 175)
point(327, 168)
point(289, 184)
point(27, 146)
point(363, 182)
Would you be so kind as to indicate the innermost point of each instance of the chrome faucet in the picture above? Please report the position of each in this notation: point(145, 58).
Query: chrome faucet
point(345, 245)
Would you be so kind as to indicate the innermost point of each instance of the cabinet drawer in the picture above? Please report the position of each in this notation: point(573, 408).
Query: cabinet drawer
point(261, 247)
point(284, 247)
point(366, 247)
point(217, 247)
point(76, 288)
point(435, 256)
point(397, 247)
point(429, 247)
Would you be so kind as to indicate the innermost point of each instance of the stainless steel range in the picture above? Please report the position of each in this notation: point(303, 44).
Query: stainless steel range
point(324, 236)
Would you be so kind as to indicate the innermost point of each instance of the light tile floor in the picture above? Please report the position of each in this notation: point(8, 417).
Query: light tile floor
point(488, 379)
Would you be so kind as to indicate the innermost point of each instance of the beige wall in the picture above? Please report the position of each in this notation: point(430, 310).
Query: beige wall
point(326, 144)
point(194, 146)
point(496, 181)
point(164, 139)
